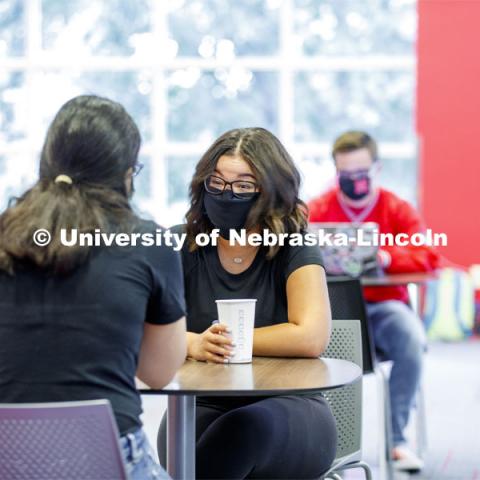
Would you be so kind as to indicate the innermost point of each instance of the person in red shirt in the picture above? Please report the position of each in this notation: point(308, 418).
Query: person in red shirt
point(398, 332)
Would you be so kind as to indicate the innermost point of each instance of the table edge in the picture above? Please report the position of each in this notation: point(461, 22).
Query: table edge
point(254, 393)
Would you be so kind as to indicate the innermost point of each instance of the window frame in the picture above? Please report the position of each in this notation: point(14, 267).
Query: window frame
point(286, 63)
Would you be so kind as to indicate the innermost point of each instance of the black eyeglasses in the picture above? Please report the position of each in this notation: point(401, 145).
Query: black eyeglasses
point(240, 188)
point(137, 168)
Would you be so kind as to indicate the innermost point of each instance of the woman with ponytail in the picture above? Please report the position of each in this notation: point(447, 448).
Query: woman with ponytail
point(79, 322)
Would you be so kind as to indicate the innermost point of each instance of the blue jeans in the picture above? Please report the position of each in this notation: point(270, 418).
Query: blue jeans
point(139, 458)
point(399, 334)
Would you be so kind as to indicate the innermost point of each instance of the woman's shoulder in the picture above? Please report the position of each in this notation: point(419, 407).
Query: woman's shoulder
point(180, 228)
point(143, 225)
point(190, 258)
point(152, 244)
point(298, 252)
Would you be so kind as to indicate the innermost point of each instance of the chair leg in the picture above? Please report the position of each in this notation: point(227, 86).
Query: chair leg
point(421, 423)
point(366, 469)
point(385, 422)
point(359, 464)
point(381, 449)
point(414, 297)
point(388, 425)
point(333, 476)
point(421, 420)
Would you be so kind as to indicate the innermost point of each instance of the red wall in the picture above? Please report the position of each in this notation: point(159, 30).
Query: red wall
point(448, 123)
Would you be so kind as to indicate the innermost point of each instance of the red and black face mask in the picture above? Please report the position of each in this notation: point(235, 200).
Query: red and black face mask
point(355, 185)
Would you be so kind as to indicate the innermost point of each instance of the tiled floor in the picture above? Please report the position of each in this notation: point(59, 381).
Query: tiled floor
point(452, 394)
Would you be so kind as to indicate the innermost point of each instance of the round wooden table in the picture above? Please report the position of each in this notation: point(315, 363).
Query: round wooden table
point(264, 376)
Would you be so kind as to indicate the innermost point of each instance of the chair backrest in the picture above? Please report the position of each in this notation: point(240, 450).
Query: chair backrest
point(347, 303)
point(74, 440)
point(346, 402)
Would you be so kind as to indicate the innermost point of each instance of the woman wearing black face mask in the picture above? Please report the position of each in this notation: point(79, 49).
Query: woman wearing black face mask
point(247, 180)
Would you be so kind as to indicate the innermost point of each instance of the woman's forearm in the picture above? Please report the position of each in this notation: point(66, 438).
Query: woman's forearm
point(288, 340)
point(283, 340)
point(190, 339)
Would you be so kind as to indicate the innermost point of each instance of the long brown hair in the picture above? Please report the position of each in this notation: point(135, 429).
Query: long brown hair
point(278, 207)
point(94, 141)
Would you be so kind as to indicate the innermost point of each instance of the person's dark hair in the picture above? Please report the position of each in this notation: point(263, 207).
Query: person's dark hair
point(94, 141)
point(354, 140)
point(278, 207)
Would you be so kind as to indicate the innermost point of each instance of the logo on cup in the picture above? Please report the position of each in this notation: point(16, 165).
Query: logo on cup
point(241, 328)
point(239, 316)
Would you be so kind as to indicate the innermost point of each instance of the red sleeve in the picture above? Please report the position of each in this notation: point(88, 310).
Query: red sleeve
point(409, 258)
point(318, 207)
point(314, 209)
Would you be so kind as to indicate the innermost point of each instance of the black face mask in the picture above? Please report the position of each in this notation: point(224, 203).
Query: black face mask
point(355, 187)
point(228, 212)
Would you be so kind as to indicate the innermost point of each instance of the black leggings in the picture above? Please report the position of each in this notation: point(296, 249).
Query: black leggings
point(277, 437)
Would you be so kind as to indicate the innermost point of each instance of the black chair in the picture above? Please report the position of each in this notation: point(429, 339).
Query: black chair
point(346, 403)
point(347, 303)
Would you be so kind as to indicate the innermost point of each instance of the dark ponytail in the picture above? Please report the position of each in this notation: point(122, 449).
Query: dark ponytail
point(93, 141)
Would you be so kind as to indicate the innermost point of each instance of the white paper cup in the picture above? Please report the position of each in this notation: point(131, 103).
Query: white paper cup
point(239, 317)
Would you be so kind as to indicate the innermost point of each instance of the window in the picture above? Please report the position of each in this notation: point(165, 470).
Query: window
point(187, 70)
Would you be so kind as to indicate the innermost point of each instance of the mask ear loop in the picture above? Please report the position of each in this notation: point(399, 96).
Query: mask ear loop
point(204, 210)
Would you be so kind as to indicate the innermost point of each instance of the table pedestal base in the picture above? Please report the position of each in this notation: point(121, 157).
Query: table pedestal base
point(181, 437)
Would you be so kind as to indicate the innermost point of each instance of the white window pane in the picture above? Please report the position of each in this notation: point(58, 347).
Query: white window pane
point(220, 29)
point(13, 107)
point(203, 105)
point(18, 171)
point(317, 173)
point(84, 27)
point(5, 189)
point(131, 89)
point(349, 27)
point(328, 103)
point(12, 28)
point(400, 176)
point(180, 174)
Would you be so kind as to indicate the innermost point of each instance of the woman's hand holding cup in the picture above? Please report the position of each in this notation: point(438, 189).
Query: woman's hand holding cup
point(213, 345)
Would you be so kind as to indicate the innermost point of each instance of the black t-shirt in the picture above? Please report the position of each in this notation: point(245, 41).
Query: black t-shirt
point(266, 280)
point(77, 337)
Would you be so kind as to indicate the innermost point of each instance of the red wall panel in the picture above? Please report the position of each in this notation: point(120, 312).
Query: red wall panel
point(448, 123)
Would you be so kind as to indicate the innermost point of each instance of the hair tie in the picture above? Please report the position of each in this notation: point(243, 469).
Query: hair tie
point(64, 179)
